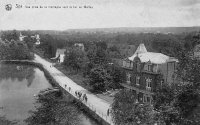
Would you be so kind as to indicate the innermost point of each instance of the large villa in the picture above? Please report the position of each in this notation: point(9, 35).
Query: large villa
point(142, 69)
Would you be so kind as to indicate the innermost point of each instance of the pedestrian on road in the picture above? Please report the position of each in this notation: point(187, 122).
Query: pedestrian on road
point(65, 86)
point(80, 94)
point(108, 111)
point(86, 98)
point(76, 93)
point(69, 89)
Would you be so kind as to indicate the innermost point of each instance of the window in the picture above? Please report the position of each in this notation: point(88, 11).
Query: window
point(148, 84)
point(124, 63)
point(138, 66)
point(148, 99)
point(144, 98)
point(128, 78)
point(148, 67)
point(137, 80)
point(127, 64)
point(131, 64)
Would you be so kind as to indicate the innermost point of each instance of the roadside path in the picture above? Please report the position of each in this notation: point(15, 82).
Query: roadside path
point(96, 104)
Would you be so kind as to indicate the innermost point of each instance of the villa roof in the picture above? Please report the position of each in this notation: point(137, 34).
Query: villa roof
point(155, 58)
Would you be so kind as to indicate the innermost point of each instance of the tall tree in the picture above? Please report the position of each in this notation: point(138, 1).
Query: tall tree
point(125, 110)
point(75, 59)
point(99, 79)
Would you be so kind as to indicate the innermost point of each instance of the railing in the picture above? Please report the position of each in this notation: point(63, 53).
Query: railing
point(127, 67)
point(104, 116)
point(148, 88)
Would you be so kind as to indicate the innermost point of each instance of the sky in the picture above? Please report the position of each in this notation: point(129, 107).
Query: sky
point(103, 14)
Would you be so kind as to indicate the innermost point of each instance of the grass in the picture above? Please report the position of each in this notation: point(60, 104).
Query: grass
point(76, 77)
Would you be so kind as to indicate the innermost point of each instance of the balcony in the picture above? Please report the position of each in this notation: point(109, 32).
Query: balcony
point(150, 72)
point(126, 67)
point(137, 89)
point(148, 88)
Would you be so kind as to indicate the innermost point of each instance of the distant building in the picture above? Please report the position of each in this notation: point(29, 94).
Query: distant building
point(142, 69)
point(37, 37)
point(60, 53)
point(21, 37)
point(80, 46)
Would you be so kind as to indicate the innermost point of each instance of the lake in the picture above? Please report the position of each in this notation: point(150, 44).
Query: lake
point(19, 84)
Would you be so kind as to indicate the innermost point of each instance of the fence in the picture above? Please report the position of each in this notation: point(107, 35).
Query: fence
point(104, 116)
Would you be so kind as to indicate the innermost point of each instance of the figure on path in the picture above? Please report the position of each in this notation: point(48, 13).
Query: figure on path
point(108, 111)
point(86, 98)
point(69, 89)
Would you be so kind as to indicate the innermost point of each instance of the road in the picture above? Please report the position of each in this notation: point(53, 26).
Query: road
point(94, 103)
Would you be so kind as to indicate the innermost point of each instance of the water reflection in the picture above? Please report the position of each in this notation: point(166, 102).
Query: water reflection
point(17, 88)
point(19, 84)
point(17, 72)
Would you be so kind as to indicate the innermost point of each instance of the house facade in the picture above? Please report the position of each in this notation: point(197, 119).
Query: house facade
point(142, 70)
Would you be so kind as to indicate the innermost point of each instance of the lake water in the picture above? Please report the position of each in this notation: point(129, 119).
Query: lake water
point(18, 85)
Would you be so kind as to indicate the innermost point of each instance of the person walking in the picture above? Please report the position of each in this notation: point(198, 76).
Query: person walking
point(69, 89)
point(86, 98)
point(108, 111)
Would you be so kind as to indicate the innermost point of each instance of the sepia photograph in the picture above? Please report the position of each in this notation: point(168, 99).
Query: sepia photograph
point(99, 62)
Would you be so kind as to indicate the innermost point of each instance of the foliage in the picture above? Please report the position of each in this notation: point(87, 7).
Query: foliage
point(48, 45)
point(14, 50)
point(99, 79)
point(191, 40)
point(179, 103)
point(30, 42)
point(9, 35)
point(117, 76)
point(4, 121)
point(125, 110)
point(97, 56)
point(53, 110)
point(75, 59)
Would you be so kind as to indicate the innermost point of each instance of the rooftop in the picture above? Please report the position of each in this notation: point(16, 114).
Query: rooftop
point(145, 56)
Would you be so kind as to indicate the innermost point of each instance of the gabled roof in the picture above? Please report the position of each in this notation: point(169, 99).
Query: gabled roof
point(141, 49)
point(155, 58)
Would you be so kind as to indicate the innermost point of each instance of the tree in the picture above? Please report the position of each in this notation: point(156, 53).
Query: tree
point(125, 110)
point(117, 76)
point(29, 41)
point(75, 59)
point(53, 110)
point(179, 103)
point(14, 50)
point(97, 56)
point(99, 79)
point(48, 45)
point(9, 35)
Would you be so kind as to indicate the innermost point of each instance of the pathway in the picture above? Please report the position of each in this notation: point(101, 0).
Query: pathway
point(94, 103)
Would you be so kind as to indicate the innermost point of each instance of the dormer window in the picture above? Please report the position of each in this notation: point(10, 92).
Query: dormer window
point(138, 66)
